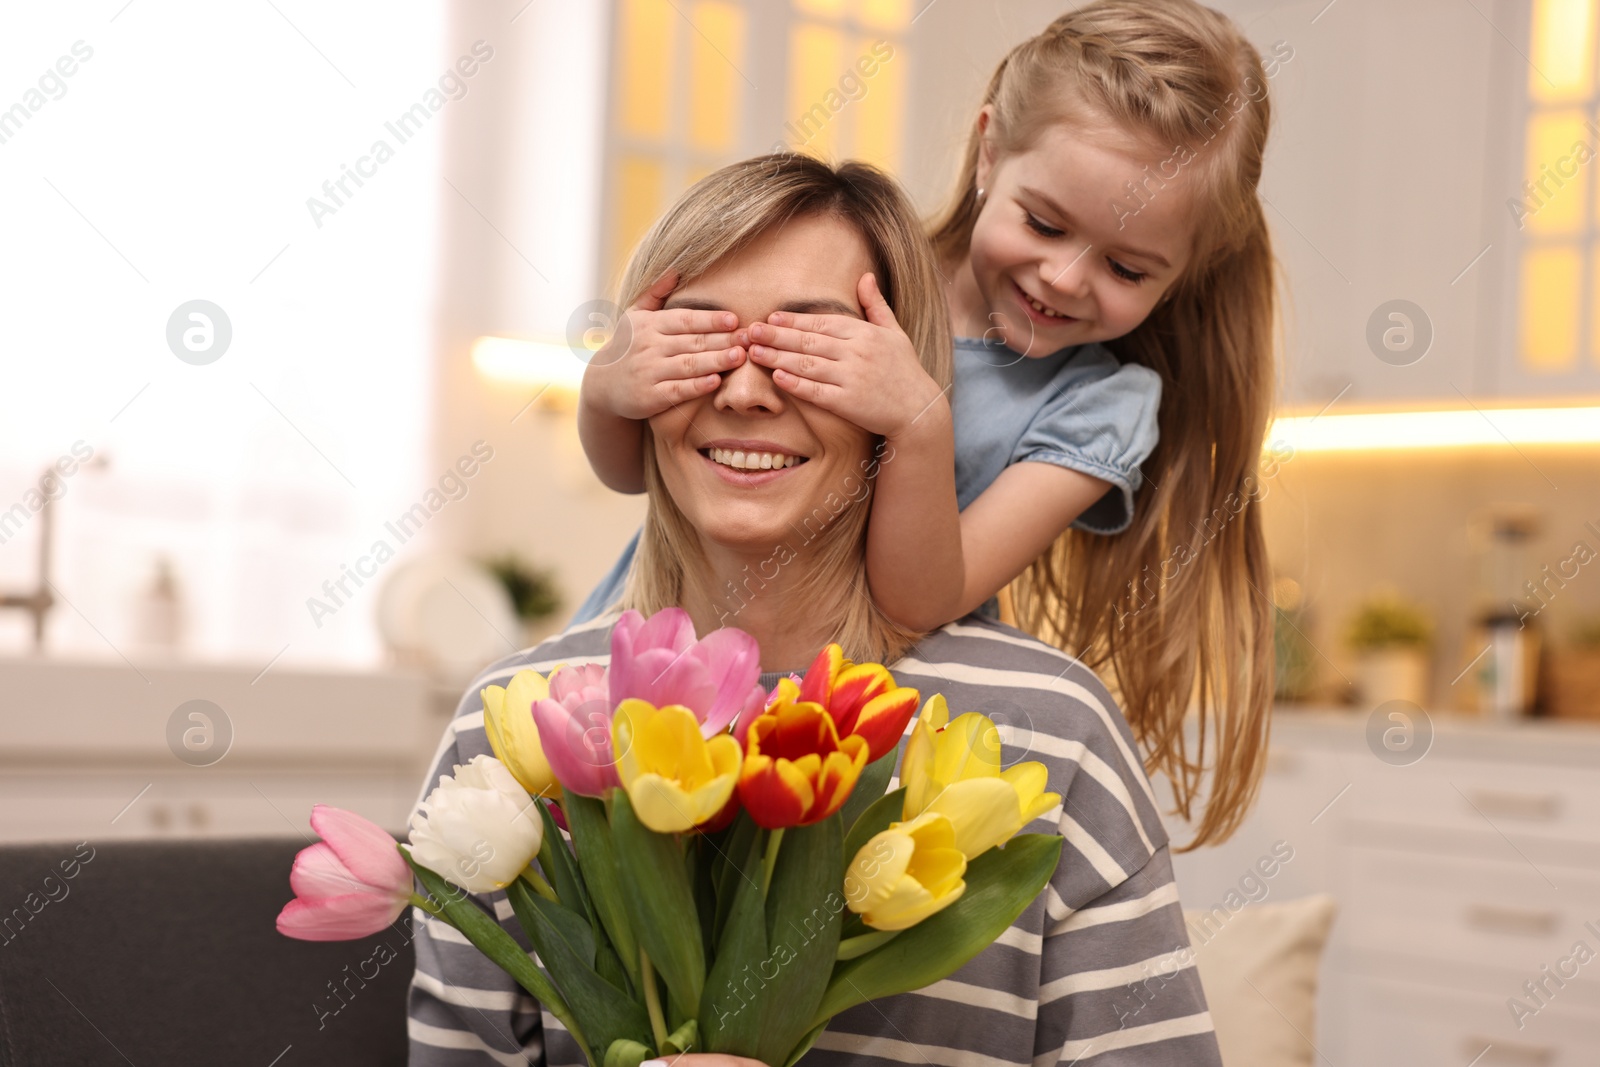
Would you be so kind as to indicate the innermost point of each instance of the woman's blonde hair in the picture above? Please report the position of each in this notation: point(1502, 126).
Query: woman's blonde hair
point(1176, 606)
point(720, 215)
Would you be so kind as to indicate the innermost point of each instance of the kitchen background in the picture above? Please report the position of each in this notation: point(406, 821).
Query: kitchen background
point(296, 298)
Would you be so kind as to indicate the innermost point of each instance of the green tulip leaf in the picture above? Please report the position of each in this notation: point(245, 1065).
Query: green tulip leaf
point(660, 904)
point(491, 939)
point(560, 869)
point(597, 859)
point(804, 902)
point(609, 967)
point(805, 1044)
point(729, 876)
point(730, 1019)
point(1001, 884)
point(873, 821)
point(682, 1039)
point(572, 927)
point(608, 1013)
point(870, 786)
point(625, 1053)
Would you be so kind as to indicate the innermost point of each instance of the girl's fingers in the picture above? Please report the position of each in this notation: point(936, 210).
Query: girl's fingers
point(693, 320)
point(793, 339)
point(671, 346)
point(800, 364)
point(822, 394)
point(681, 390)
point(657, 294)
point(840, 326)
point(879, 313)
point(695, 364)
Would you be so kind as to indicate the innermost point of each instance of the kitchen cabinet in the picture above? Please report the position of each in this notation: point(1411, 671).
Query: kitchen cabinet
point(1400, 134)
point(97, 751)
point(1459, 877)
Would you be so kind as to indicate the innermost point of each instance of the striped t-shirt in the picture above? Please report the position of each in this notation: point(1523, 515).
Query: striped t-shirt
point(1097, 972)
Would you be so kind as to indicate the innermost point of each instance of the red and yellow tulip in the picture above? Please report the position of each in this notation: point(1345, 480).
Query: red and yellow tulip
point(797, 769)
point(861, 699)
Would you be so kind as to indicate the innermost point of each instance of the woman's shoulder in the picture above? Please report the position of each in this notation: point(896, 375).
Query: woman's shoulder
point(1049, 707)
point(585, 642)
point(1002, 665)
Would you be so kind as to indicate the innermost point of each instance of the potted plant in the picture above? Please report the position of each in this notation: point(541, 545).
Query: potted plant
point(1575, 673)
point(533, 592)
point(1391, 638)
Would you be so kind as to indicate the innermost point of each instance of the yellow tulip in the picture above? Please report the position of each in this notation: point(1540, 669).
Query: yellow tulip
point(675, 778)
point(952, 768)
point(906, 873)
point(508, 720)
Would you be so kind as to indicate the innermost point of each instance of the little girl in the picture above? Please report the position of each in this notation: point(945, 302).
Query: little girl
point(1110, 286)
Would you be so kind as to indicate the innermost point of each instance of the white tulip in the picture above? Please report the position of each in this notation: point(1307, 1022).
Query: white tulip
point(479, 829)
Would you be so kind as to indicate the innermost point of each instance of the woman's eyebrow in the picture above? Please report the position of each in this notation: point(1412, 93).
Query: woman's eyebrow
point(822, 305)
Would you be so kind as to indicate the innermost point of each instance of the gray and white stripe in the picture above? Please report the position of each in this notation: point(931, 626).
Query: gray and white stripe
point(1085, 977)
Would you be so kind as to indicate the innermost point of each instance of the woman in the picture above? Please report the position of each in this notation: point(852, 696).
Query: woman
point(1098, 969)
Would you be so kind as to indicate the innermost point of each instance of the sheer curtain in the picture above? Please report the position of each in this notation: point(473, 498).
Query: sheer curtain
point(157, 154)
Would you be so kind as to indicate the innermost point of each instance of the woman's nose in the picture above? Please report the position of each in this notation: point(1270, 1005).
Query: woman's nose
point(748, 388)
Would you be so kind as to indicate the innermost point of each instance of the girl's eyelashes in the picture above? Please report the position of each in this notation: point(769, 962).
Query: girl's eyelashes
point(1040, 227)
point(1044, 229)
point(1125, 273)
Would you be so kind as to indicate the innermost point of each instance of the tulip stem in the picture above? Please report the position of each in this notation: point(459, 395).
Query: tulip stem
point(774, 839)
point(652, 1002)
point(420, 901)
point(861, 944)
point(540, 886)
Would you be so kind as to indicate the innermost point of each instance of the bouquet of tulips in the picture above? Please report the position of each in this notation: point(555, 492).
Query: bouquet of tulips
point(732, 872)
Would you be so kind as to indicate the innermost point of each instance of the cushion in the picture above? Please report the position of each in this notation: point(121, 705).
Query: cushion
point(165, 952)
point(1259, 971)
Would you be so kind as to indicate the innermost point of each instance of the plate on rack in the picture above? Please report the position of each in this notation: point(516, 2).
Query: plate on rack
point(446, 612)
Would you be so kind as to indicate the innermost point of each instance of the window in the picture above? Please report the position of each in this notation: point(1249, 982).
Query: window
point(697, 85)
point(177, 162)
point(1558, 216)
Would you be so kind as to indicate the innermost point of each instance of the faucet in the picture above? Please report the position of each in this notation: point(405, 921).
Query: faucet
point(39, 602)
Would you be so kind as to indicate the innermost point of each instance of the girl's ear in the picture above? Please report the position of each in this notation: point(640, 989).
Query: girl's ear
point(986, 146)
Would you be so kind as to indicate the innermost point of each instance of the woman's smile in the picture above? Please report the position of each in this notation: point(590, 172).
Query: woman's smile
point(750, 463)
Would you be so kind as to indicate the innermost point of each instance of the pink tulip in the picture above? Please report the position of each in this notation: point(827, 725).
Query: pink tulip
point(575, 729)
point(658, 660)
point(349, 885)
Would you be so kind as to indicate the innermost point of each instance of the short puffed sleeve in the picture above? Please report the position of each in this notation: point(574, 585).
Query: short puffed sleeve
point(1098, 418)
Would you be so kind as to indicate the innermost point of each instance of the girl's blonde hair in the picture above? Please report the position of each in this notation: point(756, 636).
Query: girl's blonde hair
point(720, 215)
point(1193, 625)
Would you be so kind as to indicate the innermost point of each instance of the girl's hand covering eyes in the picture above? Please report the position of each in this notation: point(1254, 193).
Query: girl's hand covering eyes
point(655, 359)
point(866, 371)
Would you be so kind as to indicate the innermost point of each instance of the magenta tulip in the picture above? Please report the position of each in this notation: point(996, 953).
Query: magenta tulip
point(658, 660)
point(349, 885)
point(574, 724)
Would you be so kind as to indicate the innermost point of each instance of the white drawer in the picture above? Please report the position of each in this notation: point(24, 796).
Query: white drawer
point(98, 806)
point(1523, 802)
point(1470, 918)
point(1415, 1026)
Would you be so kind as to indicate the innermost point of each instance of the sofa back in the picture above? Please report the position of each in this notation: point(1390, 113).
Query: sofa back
point(165, 952)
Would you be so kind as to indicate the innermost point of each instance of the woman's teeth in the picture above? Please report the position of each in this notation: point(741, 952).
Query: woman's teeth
point(754, 461)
